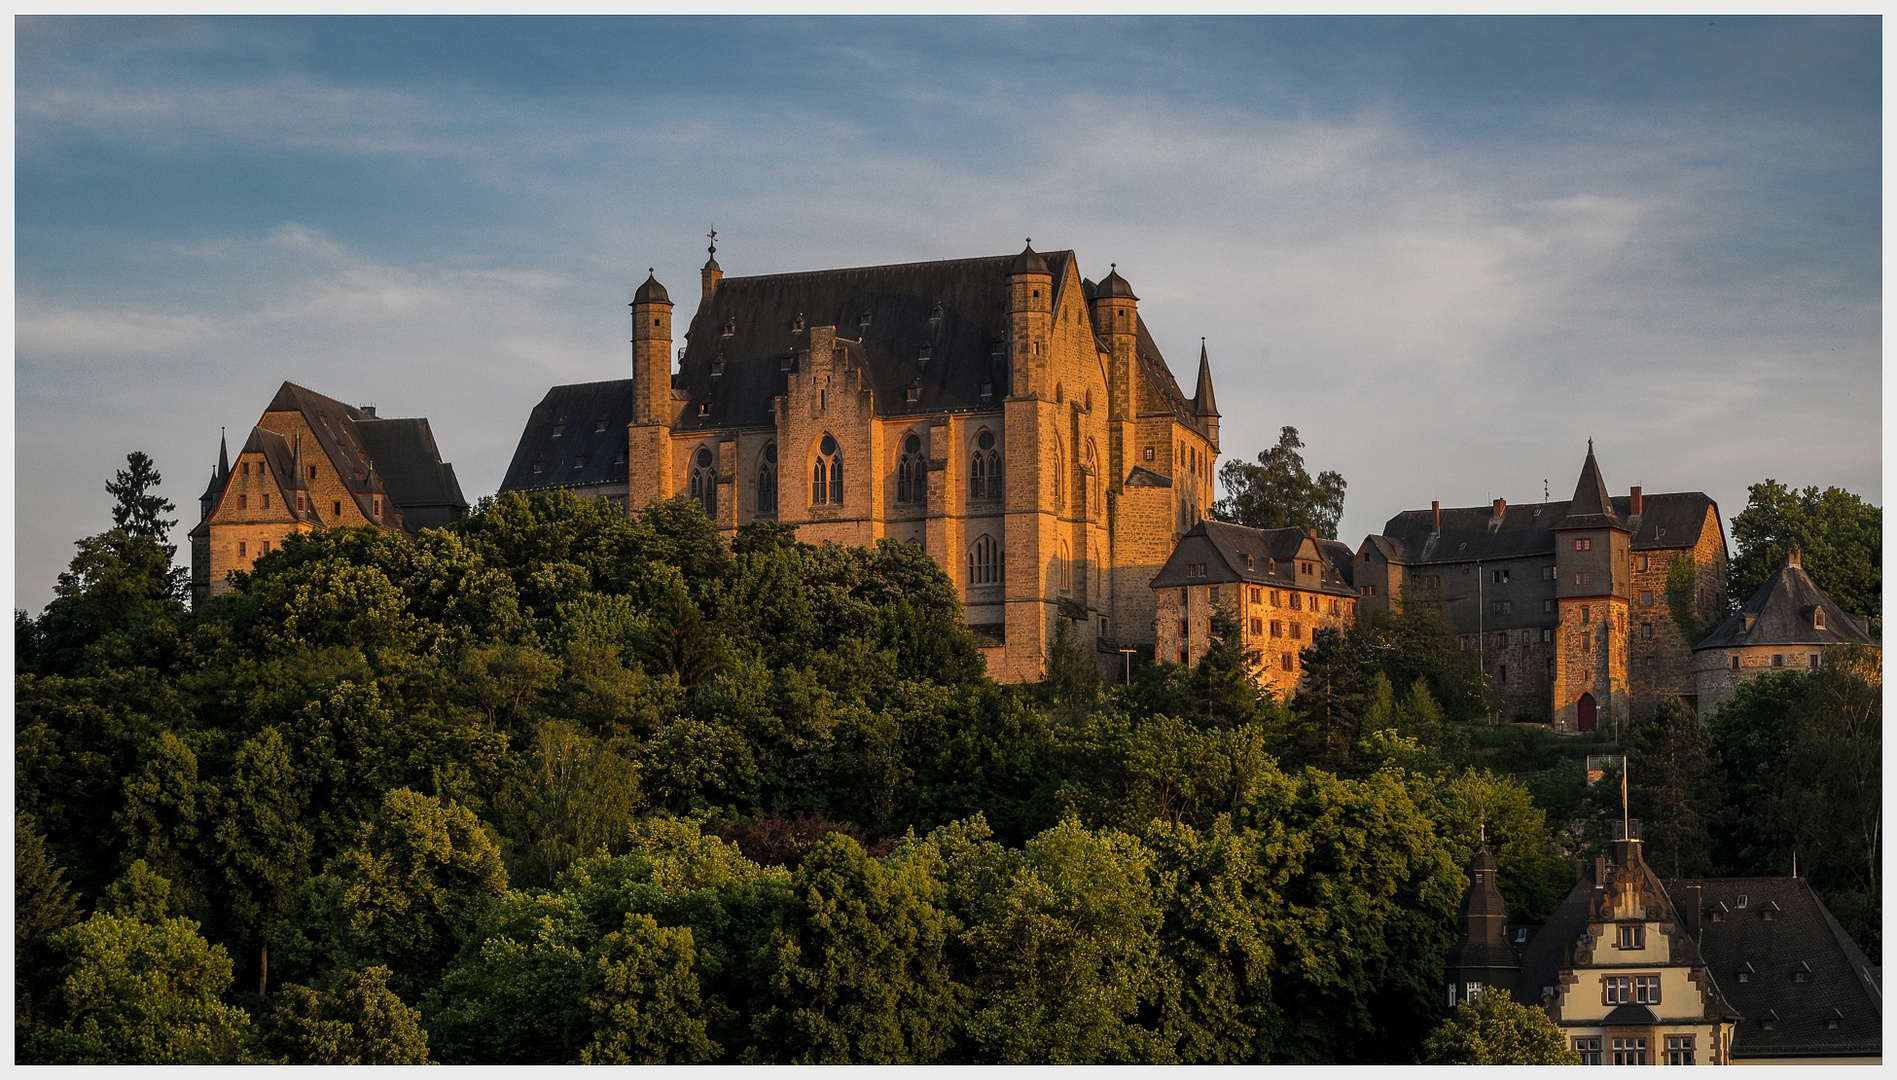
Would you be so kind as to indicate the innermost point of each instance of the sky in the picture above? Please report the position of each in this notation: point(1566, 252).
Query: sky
point(1449, 251)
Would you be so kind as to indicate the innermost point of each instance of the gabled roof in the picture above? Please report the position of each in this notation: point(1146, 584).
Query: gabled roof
point(1840, 984)
point(747, 323)
point(1565, 941)
point(280, 458)
point(1223, 549)
point(1669, 520)
point(411, 469)
point(1780, 613)
point(581, 454)
point(406, 452)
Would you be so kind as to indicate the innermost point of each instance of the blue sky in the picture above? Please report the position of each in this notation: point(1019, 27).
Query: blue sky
point(1449, 251)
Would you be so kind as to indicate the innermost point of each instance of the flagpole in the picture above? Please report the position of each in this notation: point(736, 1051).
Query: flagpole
point(1626, 823)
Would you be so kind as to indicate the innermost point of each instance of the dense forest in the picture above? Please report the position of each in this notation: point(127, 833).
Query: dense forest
point(553, 785)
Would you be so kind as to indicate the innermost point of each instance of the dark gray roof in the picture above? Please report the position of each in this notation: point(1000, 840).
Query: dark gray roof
point(1156, 370)
point(1141, 476)
point(748, 324)
point(1669, 520)
point(1840, 984)
point(1482, 941)
point(1113, 286)
point(1780, 613)
point(1028, 262)
point(582, 454)
point(650, 292)
point(1592, 507)
point(1223, 548)
point(405, 456)
point(1202, 402)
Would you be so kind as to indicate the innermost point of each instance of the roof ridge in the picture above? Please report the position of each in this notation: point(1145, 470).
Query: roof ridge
point(728, 281)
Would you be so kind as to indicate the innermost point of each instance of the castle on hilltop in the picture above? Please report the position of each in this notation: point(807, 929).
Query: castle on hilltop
point(1009, 416)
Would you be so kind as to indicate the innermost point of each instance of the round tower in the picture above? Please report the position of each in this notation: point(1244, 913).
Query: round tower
point(1030, 321)
point(652, 353)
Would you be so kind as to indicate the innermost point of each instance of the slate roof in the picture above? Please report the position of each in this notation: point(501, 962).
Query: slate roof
point(1202, 401)
point(1592, 507)
point(1841, 983)
point(579, 410)
point(1669, 520)
point(1781, 614)
point(964, 345)
point(406, 465)
point(1223, 548)
point(1482, 918)
point(405, 456)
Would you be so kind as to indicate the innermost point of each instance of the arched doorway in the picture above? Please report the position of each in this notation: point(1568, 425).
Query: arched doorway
point(1584, 712)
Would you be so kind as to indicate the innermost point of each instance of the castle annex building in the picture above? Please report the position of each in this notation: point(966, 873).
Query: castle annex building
point(1565, 603)
point(312, 462)
point(1282, 585)
point(1011, 417)
point(1788, 623)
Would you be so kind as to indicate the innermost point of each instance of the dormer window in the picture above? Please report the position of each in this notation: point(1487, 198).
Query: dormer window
point(704, 408)
point(1248, 563)
point(602, 425)
point(797, 324)
point(559, 429)
point(619, 458)
point(912, 394)
point(1817, 618)
point(539, 467)
point(579, 461)
point(1741, 902)
point(731, 327)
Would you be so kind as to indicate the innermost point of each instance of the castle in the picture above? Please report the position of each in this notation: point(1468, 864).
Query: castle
point(312, 462)
point(1009, 416)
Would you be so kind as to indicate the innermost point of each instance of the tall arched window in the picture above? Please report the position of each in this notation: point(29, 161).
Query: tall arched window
point(826, 474)
point(705, 481)
point(984, 561)
point(984, 467)
point(1064, 572)
point(767, 480)
point(1095, 501)
point(1094, 574)
point(1059, 468)
point(912, 483)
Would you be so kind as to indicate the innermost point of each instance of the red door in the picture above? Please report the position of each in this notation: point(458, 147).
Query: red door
point(1584, 712)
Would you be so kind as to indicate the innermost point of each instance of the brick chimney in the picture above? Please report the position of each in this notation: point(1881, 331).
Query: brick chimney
point(1689, 903)
point(1634, 502)
point(1791, 558)
point(1436, 511)
point(1501, 506)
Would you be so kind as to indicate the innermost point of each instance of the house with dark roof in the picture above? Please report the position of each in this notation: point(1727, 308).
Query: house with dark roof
point(1804, 992)
point(312, 462)
point(1563, 605)
point(1787, 624)
point(1013, 418)
point(1281, 585)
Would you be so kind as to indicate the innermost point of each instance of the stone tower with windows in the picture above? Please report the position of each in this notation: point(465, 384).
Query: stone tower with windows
point(1009, 416)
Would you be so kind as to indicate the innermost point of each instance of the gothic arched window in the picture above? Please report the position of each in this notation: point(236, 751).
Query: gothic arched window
point(1059, 467)
point(912, 483)
point(984, 561)
point(1095, 501)
point(826, 474)
point(767, 480)
point(984, 467)
point(1064, 571)
point(705, 481)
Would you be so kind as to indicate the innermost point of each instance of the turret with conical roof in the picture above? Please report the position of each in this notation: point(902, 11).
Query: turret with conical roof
point(1482, 956)
point(1203, 406)
point(1592, 507)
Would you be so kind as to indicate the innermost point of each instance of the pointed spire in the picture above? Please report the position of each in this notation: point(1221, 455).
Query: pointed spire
point(296, 460)
point(223, 455)
point(1591, 507)
point(1202, 403)
point(712, 250)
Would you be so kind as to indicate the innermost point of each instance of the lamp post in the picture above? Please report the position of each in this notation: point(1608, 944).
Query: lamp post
point(1128, 653)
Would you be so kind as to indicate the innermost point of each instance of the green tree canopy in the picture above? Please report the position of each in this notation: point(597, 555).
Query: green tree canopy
point(1494, 1029)
point(356, 1020)
point(1277, 492)
point(1840, 538)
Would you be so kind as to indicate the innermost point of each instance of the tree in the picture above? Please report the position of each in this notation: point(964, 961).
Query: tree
point(1278, 493)
point(118, 581)
point(1840, 536)
point(859, 973)
point(1494, 1029)
point(140, 993)
point(648, 1005)
point(138, 510)
point(1674, 788)
point(1223, 691)
point(356, 1020)
point(1336, 686)
point(1071, 678)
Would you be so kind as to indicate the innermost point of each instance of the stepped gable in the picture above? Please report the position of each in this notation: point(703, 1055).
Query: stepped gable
point(410, 467)
point(1223, 549)
point(591, 445)
point(1780, 613)
point(1801, 936)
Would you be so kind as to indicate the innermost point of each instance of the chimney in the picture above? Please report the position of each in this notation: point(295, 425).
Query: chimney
point(1501, 505)
point(1791, 558)
point(1689, 897)
point(1863, 623)
point(1310, 532)
point(1436, 511)
point(1634, 502)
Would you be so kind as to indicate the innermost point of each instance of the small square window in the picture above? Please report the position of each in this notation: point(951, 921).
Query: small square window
point(1582, 543)
point(243, 550)
point(1646, 598)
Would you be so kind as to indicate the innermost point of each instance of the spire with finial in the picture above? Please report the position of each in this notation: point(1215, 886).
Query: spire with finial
point(709, 277)
point(223, 455)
